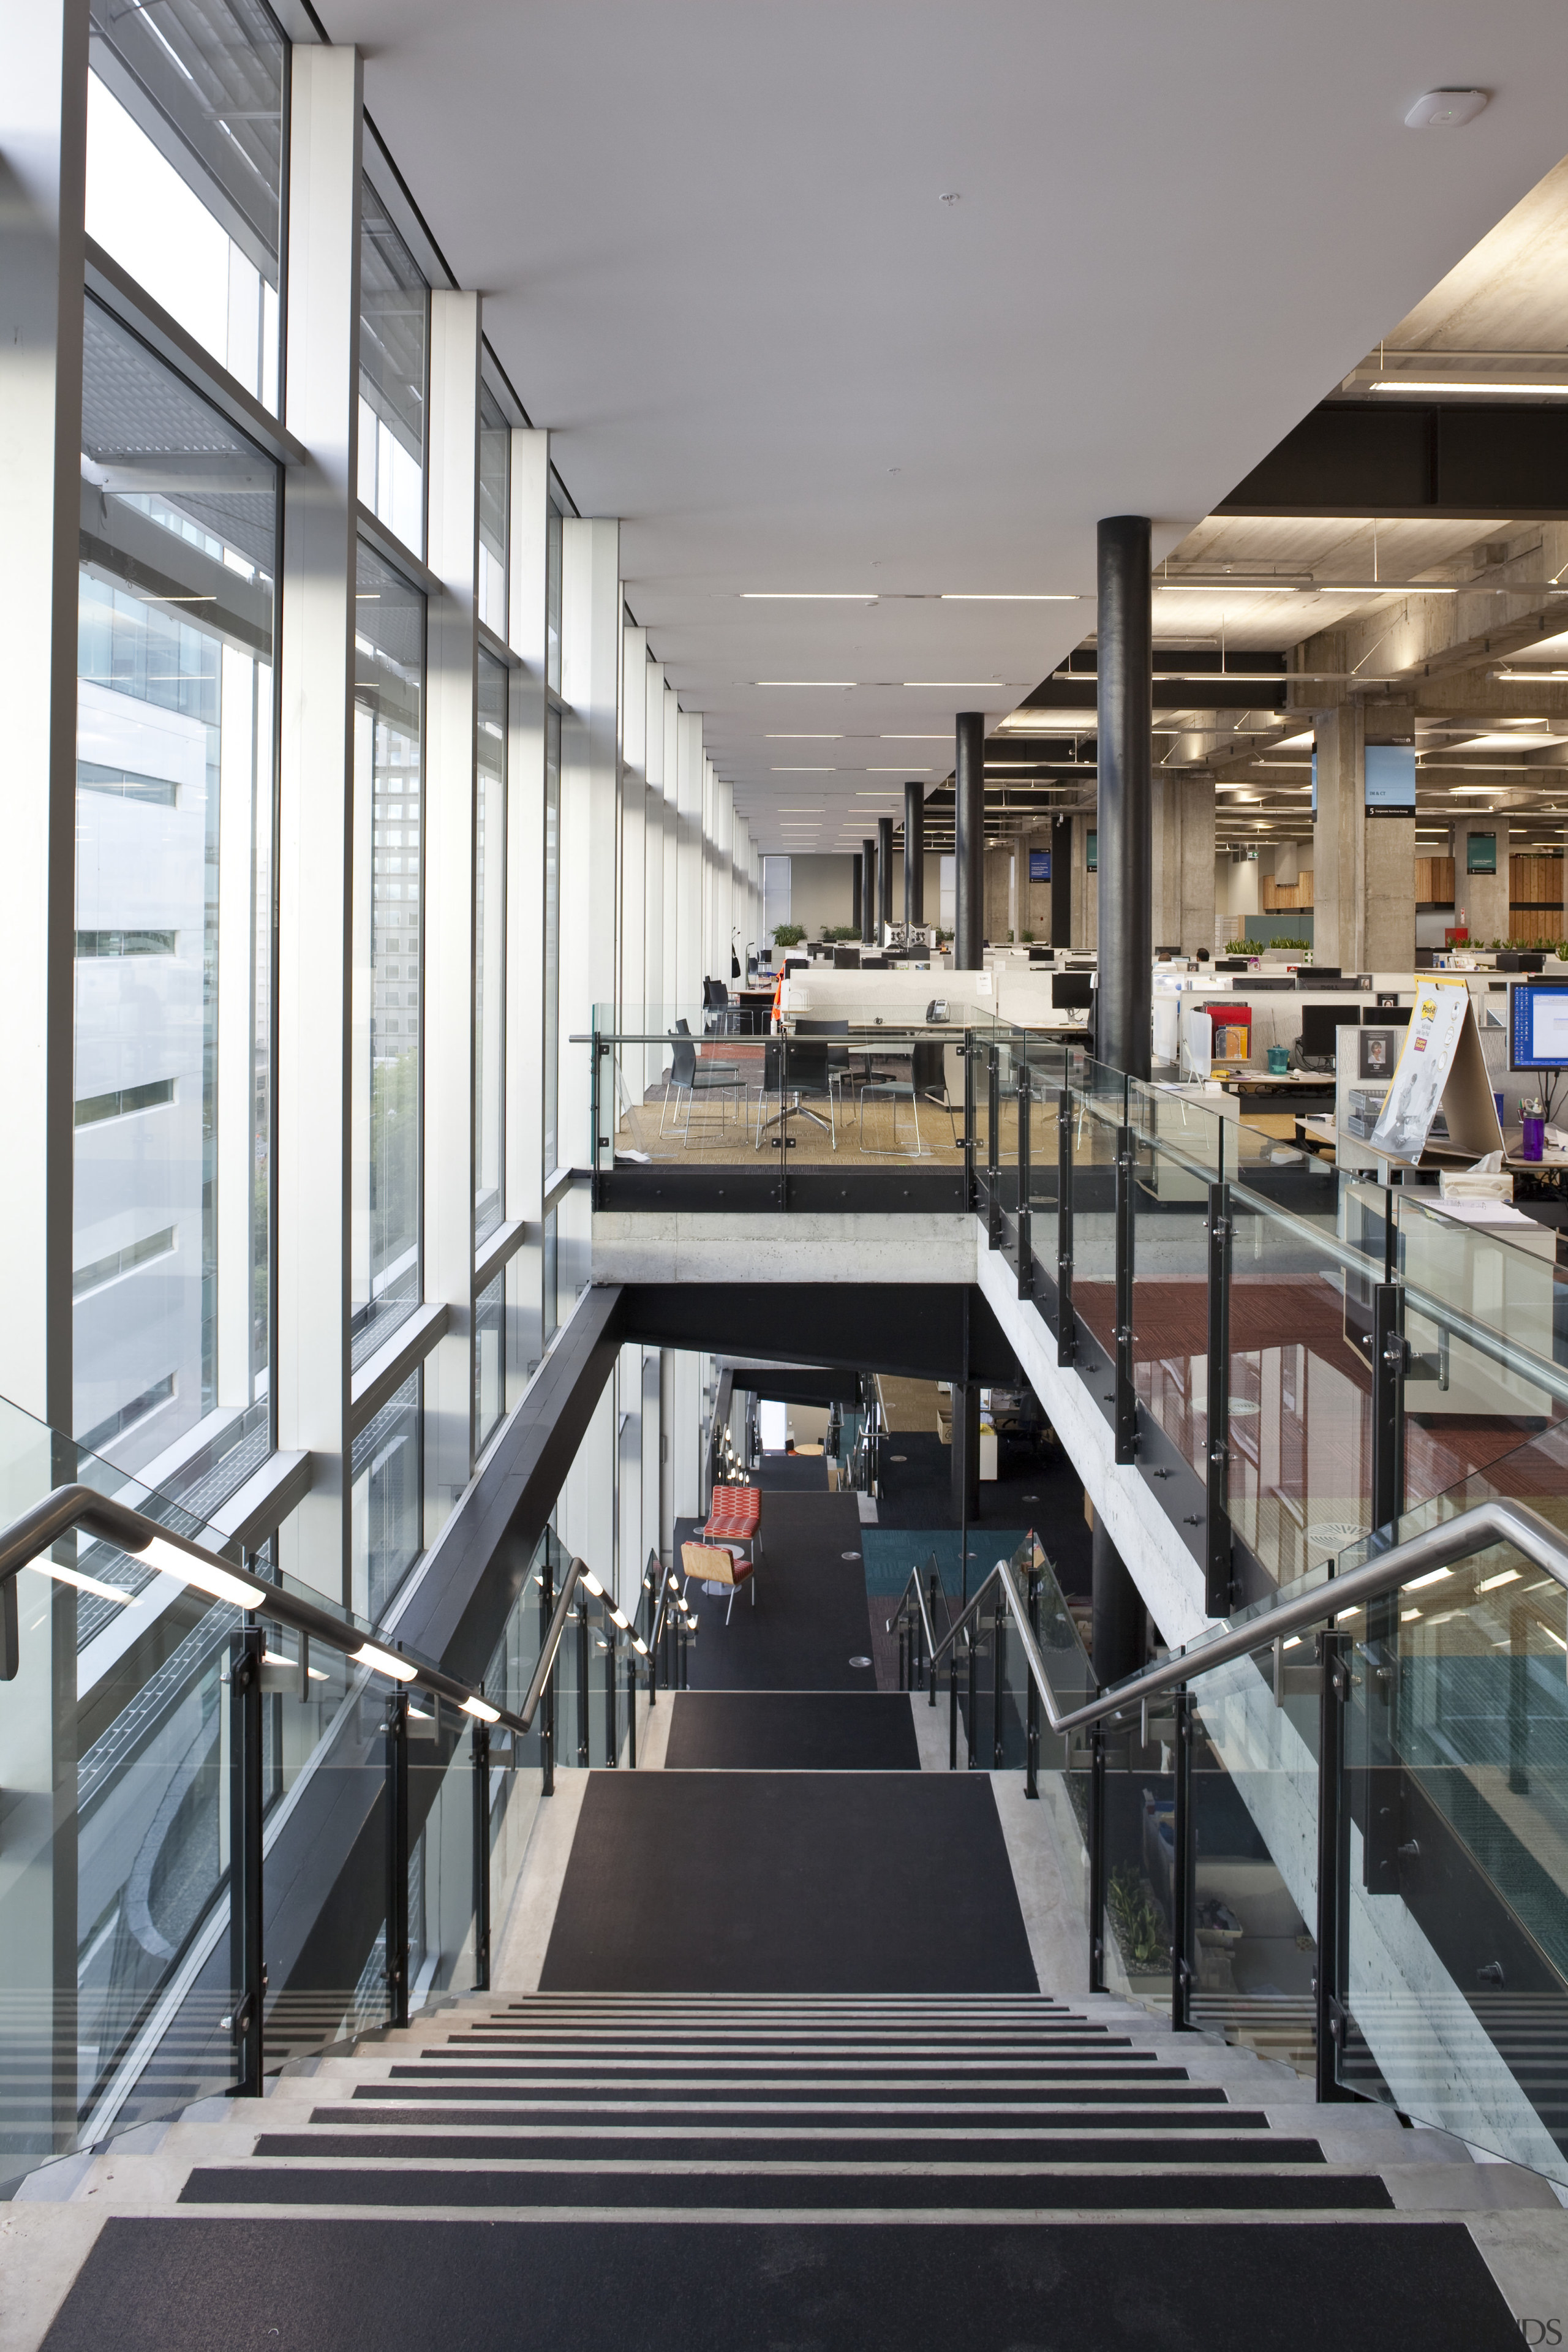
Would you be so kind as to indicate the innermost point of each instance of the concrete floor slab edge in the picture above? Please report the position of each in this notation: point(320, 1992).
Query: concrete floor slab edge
point(521, 1946)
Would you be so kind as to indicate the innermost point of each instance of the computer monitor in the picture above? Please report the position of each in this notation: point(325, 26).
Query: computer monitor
point(1538, 1025)
point(1318, 1023)
point(1230, 964)
point(1072, 992)
point(1380, 1016)
point(1313, 975)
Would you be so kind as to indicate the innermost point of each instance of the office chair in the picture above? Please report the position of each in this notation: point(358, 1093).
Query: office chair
point(689, 1076)
point(792, 1068)
point(716, 1565)
point(886, 1085)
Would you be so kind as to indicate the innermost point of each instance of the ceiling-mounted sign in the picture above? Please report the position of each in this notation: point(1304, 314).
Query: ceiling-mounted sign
point(1480, 852)
point(1391, 779)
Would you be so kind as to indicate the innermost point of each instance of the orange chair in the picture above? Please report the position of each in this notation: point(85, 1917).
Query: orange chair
point(719, 1563)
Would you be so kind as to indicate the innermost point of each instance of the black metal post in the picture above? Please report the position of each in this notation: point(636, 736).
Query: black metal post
point(856, 901)
point(931, 1588)
point(1096, 1861)
point(611, 1743)
point(1333, 1871)
point(970, 1740)
point(632, 1711)
point(397, 1859)
point(1032, 1727)
point(1217, 1553)
point(1387, 1407)
point(868, 891)
point(248, 1970)
point(582, 1615)
point(1067, 1330)
point(547, 1702)
point(903, 1650)
point(994, 1146)
point(969, 842)
point(481, 1749)
point(1126, 1396)
point(1125, 665)
point(1026, 1214)
point(884, 876)
point(1182, 1872)
point(998, 1681)
point(914, 853)
point(953, 1708)
point(971, 1124)
point(1061, 882)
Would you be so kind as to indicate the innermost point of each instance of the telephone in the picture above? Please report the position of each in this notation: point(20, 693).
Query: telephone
point(937, 1009)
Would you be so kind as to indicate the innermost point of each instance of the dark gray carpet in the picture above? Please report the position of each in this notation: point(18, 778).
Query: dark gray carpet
point(210, 2284)
point(810, 1617)
point(788, 1882)
point(791, 1731)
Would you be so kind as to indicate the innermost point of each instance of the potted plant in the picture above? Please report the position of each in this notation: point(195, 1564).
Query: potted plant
point(788, 935)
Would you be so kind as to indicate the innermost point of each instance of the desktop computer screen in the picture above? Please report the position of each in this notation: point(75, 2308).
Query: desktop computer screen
point(1319, 1024)
point(1537, 1025)
point(1072, 992)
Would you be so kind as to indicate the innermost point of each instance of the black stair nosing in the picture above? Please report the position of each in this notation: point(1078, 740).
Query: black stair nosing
point(1139, 2070)
point(432, 2148)
point(889, 2099)
point(894, 2194)
point(893, 2131)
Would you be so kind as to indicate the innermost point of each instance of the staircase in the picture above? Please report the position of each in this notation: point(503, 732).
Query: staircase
point(871, 2107)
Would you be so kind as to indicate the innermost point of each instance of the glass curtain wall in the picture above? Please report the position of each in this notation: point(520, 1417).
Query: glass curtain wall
point(495, 485)
point(395, 336)
point(490, 947)
point(172, 1285)
point(388, 880)
point(553, 544)
point(184, 169)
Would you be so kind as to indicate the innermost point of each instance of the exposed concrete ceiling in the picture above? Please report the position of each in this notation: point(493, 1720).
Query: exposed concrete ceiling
point(721, 264)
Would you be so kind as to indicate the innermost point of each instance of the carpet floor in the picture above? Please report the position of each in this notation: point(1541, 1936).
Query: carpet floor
point(595, 2286)
point(789, 1881)
point(810, 1616)
point(791, 1731)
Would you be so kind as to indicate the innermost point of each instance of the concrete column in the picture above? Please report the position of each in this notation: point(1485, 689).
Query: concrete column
point(1125, 668)
point(999, 899)
point(1183, 835)
point(914, 853)
point(969, 842)
point(884, 874)
point(868, 892)
point(1339, 840)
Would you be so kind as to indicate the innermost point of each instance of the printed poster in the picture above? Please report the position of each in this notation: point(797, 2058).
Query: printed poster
point(1427, 1058)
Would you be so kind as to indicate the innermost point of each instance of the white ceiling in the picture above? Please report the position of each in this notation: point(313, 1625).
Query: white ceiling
point(718, 265)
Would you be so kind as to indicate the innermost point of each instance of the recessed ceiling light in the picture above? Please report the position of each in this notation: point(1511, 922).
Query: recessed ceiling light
point(979, 685)
point(824, 682)
point(907, 770)
point(808, 596)
point(803, 739)
point(1006, 596)
point(1445, 385)
point(803, 772)
point(944, 739)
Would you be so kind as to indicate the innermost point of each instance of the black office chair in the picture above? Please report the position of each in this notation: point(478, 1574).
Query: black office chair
point(926, 1072)
point(808, 1065)
point(691, 1076)
point(716, 1012)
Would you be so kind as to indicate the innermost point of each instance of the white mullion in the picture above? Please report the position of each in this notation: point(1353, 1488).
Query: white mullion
point(524, 1165)
point(315, 815)
point(651, 1059)
point(448, 929)
point(635, 846)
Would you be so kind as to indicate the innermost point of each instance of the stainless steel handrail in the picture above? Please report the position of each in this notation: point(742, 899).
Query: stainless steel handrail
point(111, 1522)
point(578, 1572)
point(1499, 1521)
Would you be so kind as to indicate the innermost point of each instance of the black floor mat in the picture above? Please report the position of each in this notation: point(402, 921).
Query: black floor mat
point(791, 1731)
point(810, 1616)
point(788, 1882)
point(206, 2283)
point(791, 1474)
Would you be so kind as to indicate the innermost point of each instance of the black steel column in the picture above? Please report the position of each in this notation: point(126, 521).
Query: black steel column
point(1387, 1407)
point(397, 1859)
point(914, 853)
point(481, 1743)
point(1061, 881)
point(1217, 1543)
point(1117, 1642)
point(247, 1974)
point(884, 874)
point(1333, 1871)
point(969, 842)
point(1096, 1859)
point(1066, 1334)
point(965, 1452)
point(547, 1702)
point(854, 885)
point(868, 892)
point(1125, 663)
point(1182, 1871)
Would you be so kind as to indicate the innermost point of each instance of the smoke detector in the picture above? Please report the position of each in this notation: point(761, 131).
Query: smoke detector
point(1445, 109)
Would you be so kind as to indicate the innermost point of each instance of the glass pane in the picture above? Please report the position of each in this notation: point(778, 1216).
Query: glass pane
point(1456, 1735)
point(490, 947)
point(1139, 1856)
point(395, 314)
point(388, 871)
point(387, 1535)
point(552, 550)
point(495, 473)
point(440, 1853)
point(184, 169)
point(1178, 1146)
point(173, 889)
point(551, 939)
point(489, 1362)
